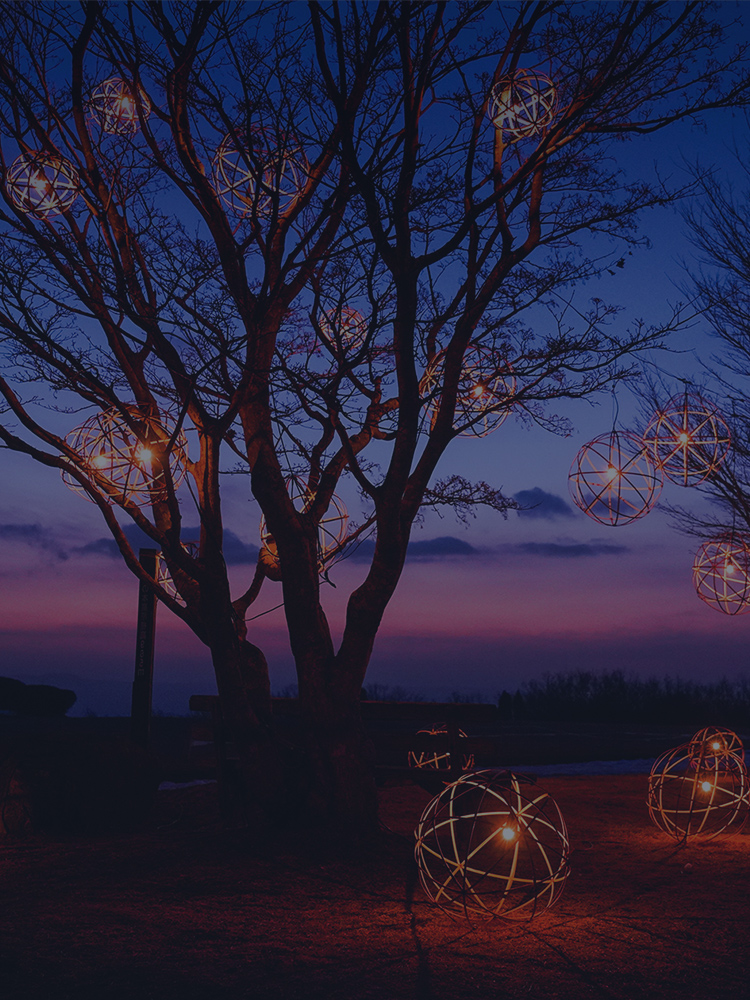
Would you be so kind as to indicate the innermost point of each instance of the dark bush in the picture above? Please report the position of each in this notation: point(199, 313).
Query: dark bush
point(44, 700)
point(11, 692)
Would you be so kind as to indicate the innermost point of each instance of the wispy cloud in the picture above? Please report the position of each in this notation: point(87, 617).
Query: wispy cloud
point(35, 536)
point(570, 550)
point(236, 552)
point(426, 550)
point(538, 503)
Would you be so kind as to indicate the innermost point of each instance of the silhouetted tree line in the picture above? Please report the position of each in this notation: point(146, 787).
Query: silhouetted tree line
point(584, 696)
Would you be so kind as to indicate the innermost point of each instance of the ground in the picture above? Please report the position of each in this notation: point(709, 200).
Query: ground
point(187, 907)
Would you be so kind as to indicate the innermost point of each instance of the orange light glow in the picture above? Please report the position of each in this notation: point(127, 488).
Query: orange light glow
point(144, 455)
point(508, 833)
point(683, 438)
point(99, 461)
point(706, 786)
point(611, 474)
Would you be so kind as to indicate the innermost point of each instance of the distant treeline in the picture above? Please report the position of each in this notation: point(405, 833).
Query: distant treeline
point(584, 696)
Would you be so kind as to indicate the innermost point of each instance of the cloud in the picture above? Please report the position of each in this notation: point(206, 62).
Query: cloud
point(570, 550)
point(236, 552)
point(426, 550)
point(35, 536)
point(537, 503)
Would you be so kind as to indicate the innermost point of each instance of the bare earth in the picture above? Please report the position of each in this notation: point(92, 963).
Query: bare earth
point(187, 909)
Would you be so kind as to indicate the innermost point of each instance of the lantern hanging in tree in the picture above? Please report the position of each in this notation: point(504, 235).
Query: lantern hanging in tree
point(255, 178)
point(721, 573)
point(42, 184)
point(693, 792)
point(438, 760)
point(492, 844)
point(344, 328)
point(332, 529)
point(688, 439)
point(522, 104)
point(614, 480)
point(485, 387)
point(129, 458)
point(118, 106)
point(163, 575)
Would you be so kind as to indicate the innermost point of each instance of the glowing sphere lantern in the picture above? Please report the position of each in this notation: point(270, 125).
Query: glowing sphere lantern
point(613, 479)
point(697, 790)
point(344, 328)
point(713, 741)
point(721, 573)
point(258, 176)
point(522, 104)
point(438, 760)
point(42, 184)
point(688, 439)
point(163, 575)
point(332, 529)
point(118, 106)
point(485, 387)
point(492, 844)
point(128, 457)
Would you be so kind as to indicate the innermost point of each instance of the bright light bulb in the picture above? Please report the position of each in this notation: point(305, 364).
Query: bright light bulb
point(144, 455)
point(716, 745)
point(683, 438)
point(611, 473)
point(508, 833)
point(729, 569)
point(99, 461)
point(706, 786)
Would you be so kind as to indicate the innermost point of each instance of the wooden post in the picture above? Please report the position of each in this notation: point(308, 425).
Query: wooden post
point(140, 710)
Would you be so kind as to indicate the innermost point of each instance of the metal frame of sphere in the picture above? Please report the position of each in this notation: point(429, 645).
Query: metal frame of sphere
point(698, 794)
point(435, 759)
point(714, 741)
point(522, 104)
point(492, 844)
point(119, 105)
point(332, 529)
point(484, 387)
point(254, 178)
point(613, 479)
point(42, 184)
point(128, 460)
point(721, 573)
point(689, 439)
point(164, 577)
point(343, 327)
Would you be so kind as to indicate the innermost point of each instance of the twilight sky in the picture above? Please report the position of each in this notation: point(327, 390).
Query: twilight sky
point(480, 608)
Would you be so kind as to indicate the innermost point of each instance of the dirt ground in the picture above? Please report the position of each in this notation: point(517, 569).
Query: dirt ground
point(189, 909)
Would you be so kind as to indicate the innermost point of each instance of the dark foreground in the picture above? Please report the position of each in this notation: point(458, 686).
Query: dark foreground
point(186, 909)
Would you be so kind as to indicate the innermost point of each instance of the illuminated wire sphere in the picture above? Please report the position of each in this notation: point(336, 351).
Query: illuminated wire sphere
point(485, 386)
point(692, 792)
point(42, 184)
point(164, 577)
point(613, 479)
point(713, 741)
point(332, 529)
point(688, 438)
point(128, 460)
point(118, 106)
point(256, 178)
point(438, 760)
point(492, 844)
point(522, 104)
point(721, 573)
point(344, 328)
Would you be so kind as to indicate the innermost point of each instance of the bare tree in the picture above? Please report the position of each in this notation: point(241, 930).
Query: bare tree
point(298, 235)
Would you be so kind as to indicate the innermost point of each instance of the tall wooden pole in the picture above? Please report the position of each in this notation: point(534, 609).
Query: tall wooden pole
point(140, 710)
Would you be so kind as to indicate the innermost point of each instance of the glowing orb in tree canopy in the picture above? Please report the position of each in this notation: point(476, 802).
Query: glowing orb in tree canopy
point(128, 456)
point(486, 386)
point(117, 105)
point(688, 439)
point(332, 529)
point(522, 104)
point(438, 759)
point(696, 795)
point(714, 743)
point(163, 575)
point(343, 327)
point(614, 480)
point(260, 175)
point(42, 184)
point(493, 844)
point(721, 573)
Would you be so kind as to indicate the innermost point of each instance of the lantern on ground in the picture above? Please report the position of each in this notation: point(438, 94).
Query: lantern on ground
point(438, 760)
point(721, 573)
point(688, 439)
point(332, 529)
point(492, 844)
point(118, 106)
point(522, 104)
point(127, 456)
point(485, 387)
point(344, 328)
point(695, 792)
point(613, 479)
point(715, 742)
point(42, 184)
point(255, 177)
